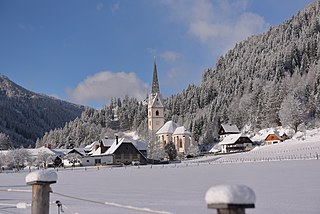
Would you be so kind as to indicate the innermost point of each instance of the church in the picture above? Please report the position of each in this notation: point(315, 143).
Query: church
point(161, 131)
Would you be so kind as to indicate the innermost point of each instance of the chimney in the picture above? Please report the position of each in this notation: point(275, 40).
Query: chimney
point(117, 140)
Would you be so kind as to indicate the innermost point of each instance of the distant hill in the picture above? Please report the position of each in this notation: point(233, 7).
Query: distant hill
point(265, 81)
point(26, 116)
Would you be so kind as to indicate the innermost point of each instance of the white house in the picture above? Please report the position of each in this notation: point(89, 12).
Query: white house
point(235, 143)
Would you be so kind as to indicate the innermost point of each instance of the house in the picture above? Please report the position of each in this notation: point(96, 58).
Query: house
point(180, 136)
point(121, 151)
point(275, 137)
point(227, 129)
point(124, 152)
point(235, 143)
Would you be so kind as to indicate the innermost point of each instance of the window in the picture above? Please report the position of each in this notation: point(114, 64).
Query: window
point(157, 113)
point(180, 143)
point(88, 161)
point(149, 113)
point(97, 161)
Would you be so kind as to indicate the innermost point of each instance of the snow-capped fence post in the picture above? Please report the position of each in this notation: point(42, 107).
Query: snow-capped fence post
point(230, 199)
point(40, 181)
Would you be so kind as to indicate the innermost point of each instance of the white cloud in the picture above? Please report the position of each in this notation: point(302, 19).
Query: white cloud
point(170, 56)
point(104, 85)
point(100, 6)
point(115, 7)
point(218, 24)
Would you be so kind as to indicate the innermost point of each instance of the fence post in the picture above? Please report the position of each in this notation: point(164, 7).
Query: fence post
point(230, 199)
point(40, 181)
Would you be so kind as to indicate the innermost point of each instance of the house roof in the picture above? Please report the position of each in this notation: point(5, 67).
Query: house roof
point(140, 145)
point(230, 139)
point(181, 130)
point(115, 146)
point(230, 128)
point(275, 134)
point(168, 128)
point(35, 152)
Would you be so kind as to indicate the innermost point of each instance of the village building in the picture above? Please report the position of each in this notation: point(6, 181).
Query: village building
point(227, 129)
point(275, 137)
point(235, 143)
point(121, 151)
point(158, 129)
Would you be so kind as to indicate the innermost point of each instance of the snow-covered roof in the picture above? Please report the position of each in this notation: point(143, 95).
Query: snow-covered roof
point(230, 128)
point(168, 128)
point(181, 130)
point(230, 194)
point(114, 146)
point(230, 139)
point(140, 145)
point(35, 152)
point(96, 152)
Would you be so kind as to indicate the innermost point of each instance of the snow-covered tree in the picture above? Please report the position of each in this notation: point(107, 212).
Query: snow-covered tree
point(170, 150)
point(291, 112)
point(5, 142)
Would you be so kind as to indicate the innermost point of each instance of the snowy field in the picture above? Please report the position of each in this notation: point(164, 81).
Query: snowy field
point(280, 187)
point(285, 178)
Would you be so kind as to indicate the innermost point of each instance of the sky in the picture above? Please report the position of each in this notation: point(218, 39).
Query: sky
point(88, 52)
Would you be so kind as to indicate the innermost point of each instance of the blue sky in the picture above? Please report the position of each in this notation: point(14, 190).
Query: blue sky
point(89, 51)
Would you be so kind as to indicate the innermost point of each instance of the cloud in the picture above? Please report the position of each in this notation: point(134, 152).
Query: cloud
point(115, 7)
point(24, 27)
point(100, 6)
point(170, 56)
point(104, 85)
point(218, 24)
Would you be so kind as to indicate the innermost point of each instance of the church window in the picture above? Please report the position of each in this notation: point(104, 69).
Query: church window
point(157, 113)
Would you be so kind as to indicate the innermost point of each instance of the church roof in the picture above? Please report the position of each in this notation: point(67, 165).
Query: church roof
point(168, 128)
point(155, 82)
point(155, 100)
point(181, 130)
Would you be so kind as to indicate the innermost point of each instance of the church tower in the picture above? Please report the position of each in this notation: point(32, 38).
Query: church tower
point(155, 104)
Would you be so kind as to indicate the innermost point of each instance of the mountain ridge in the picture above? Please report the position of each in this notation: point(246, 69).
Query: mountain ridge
point(26, 116)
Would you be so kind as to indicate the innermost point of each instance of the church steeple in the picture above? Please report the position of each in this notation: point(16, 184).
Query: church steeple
point(155, 104)
point(155, 83)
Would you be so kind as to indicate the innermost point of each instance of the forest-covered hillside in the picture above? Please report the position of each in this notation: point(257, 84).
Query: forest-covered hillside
point(267, 80)
point(26, 116)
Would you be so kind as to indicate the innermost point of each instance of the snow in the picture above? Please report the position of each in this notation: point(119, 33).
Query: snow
point(181, 130)
point(42, 176)
point(230, 139)
point(168, 127)
point(134, 135)
point(284, 178)
point(230, 128)
point(230, 194)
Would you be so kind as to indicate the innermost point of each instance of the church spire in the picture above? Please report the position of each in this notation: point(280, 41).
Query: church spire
point(155, 83)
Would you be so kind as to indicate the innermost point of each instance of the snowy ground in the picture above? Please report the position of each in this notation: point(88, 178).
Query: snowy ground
point(285, 178)
point(280, 187)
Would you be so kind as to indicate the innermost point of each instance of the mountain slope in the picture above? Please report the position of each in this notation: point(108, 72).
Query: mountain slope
point(260, 83)
point(26, 116)
point(265, 81)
